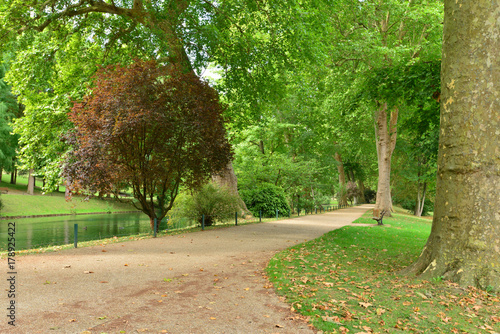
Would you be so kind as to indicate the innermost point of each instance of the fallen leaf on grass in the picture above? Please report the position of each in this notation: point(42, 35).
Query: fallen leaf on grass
point(365, 305)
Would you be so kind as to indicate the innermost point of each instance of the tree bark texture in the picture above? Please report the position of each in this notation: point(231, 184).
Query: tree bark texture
point(386, 142)
point(464, 244)
point(342, 196)
point(228, 180)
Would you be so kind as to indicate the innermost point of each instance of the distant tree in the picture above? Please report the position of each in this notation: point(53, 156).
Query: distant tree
point(147, 128)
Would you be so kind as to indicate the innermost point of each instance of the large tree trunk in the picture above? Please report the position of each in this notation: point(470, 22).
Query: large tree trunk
point(386, 142)
point(229, 180)
point(464, 244)
point(342, 195)
point(31, 182)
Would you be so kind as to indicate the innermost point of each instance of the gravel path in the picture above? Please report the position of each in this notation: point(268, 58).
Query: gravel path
point(203, 282)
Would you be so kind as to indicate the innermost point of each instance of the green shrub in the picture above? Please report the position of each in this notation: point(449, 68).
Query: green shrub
point(216, 203)
point(266, 198)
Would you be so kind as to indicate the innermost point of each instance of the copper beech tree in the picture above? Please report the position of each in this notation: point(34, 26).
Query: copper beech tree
point(148, 128)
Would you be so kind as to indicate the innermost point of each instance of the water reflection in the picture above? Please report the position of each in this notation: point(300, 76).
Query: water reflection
point(40, 232)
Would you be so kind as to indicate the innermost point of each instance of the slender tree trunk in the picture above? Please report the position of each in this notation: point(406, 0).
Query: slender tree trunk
point(13, 174)
point(1, 174)
point(386, 142)
point(464, 245)
point(31, 182)
point(342, 195)
point(67, 192)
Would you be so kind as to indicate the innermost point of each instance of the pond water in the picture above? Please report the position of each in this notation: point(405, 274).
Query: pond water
point(47, 231)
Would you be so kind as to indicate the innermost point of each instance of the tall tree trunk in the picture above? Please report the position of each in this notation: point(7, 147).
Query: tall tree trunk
point(342, 195)
point(464, 244)
point(1, 174)
point(386, 142)
point(229, 180)
point(31, 182)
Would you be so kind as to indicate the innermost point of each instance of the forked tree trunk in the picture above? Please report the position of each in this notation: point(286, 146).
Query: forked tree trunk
point(386, 142)
point(13, 174)
point(419, 207)
point(342, 196)
point(464, 244)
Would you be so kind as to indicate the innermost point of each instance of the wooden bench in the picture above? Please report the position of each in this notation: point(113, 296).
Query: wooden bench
point(379, 219)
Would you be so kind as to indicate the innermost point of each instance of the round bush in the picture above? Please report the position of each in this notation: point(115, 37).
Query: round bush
point(266, 198)
point(215, 203)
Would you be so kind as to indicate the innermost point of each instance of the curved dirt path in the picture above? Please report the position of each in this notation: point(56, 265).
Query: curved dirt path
point(204, 282)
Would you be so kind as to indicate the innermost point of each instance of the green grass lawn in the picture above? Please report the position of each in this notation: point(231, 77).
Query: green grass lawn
point(27, 205)
point(51, 203)
point(347, 281)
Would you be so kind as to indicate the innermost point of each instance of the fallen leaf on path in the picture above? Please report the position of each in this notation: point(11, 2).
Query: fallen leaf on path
point(67, 266)
point(104, 282)
point(213, 318)
point(279, 326)
point(88, 272)
point(72, 320)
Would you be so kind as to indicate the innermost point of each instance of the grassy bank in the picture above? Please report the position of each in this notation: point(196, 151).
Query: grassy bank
point(27, 205)
point(346, 281)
